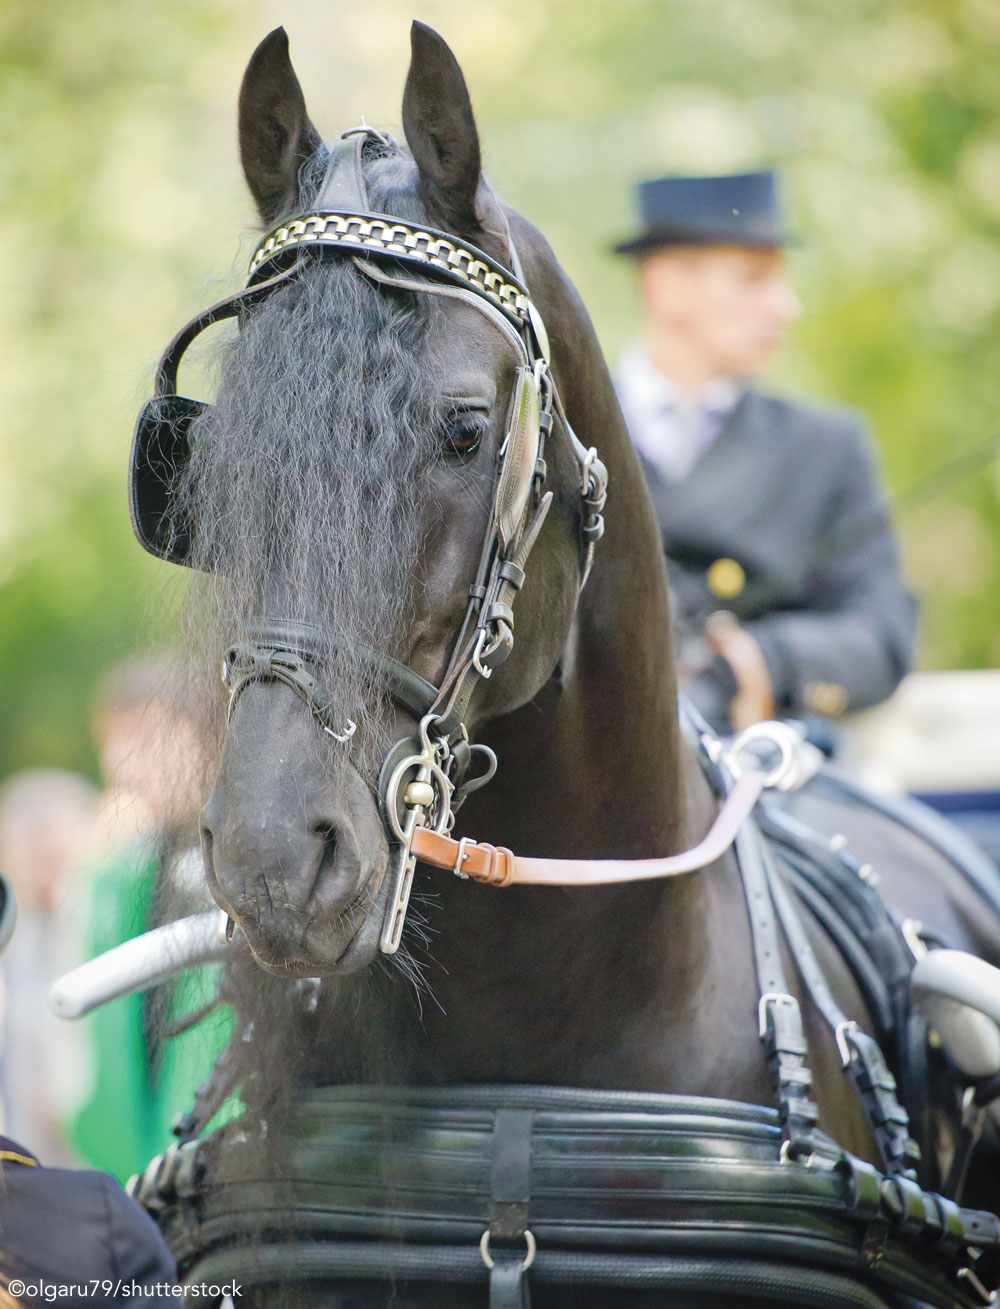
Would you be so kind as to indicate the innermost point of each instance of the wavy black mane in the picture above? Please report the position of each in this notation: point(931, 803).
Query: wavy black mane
point(314, 451)
point(310, 468)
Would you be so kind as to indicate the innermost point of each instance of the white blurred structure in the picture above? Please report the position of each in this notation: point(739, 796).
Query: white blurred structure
point(939, 732)
point(47, 819)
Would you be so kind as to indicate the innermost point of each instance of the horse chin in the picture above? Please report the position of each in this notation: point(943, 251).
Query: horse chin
point(327, 948)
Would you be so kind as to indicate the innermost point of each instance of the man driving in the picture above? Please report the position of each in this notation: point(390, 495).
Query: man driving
point(786, 586)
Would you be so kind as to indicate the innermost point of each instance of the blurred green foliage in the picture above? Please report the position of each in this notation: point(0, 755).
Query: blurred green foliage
point(122, 212)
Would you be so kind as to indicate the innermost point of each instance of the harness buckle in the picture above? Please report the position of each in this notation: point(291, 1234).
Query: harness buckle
point(766, 1000)
point(463, 854)
point(492, 650)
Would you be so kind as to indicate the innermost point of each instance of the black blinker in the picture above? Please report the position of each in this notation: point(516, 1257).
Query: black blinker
point(161, 449)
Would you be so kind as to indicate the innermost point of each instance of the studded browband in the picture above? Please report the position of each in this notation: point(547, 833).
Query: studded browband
point(341, 220)
point(427, 249)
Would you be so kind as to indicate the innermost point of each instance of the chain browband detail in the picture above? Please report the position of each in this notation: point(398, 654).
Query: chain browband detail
point(427, 248)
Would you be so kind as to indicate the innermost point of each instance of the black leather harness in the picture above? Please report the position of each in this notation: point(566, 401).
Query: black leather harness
point(620, 1190)
point(594, 1188)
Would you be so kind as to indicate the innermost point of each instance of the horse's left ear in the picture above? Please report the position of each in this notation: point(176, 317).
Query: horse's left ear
point(441, 130)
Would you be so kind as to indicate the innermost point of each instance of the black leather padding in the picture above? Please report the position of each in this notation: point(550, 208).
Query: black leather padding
point(161, 448)
point(343, 187)
point(624, 1190)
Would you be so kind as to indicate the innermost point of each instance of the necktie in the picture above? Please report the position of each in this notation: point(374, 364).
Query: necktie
point(687, 419)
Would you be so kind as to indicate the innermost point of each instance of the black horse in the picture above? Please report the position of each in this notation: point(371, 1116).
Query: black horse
point(340, 490)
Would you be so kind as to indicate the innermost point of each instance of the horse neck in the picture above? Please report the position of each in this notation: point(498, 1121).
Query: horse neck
point(549, 985)
point(606, 746)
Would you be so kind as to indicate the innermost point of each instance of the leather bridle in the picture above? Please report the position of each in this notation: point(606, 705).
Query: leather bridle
point(424, 778)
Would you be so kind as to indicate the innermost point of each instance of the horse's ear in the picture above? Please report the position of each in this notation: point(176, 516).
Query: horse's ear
point(441, 131)
point(276, 136)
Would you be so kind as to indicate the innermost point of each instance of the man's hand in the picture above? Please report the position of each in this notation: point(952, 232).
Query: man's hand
point(754, 699)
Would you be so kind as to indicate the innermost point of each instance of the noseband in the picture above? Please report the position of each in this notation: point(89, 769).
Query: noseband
point(424, 778)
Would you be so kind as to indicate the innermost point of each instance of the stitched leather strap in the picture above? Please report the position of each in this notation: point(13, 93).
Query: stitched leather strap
point(508, 1284)
point(779, 1018)
point(510, 1175)
point(864, 1065)
point(510, 1193)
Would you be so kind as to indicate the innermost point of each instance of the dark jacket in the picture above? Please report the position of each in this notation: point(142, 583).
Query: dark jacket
point(70, 1228)
point(790, 493)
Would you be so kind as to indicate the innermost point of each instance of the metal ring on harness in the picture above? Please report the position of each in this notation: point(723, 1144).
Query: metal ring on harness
point(529, 1258)
point(784, 738)
point(439, 776)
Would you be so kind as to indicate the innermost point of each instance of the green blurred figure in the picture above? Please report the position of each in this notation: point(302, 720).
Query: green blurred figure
point(152, 761)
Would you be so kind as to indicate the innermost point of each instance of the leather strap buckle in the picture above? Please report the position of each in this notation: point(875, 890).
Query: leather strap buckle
point(461, 856)
point(768, 999)
point(479, 861)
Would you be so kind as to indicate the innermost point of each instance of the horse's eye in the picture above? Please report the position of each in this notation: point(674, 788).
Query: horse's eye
point(463, 430)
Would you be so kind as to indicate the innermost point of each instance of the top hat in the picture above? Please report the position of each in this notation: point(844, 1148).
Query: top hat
point(8, 911)
point(738, 209)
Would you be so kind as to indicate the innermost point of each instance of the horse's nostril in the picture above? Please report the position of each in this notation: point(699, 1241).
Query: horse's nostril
point(329, 836)
point(207, 844)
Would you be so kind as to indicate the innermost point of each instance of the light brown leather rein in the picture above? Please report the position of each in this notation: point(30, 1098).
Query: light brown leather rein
point(495, 865)
point(498, 866)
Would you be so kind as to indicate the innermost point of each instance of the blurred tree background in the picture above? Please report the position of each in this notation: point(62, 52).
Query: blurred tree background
point(123, 212)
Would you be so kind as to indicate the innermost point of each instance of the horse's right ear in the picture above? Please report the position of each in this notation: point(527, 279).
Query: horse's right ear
point(276, 136)
point(441, 131)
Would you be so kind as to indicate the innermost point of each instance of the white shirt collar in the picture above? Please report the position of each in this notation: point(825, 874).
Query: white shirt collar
point(649, 388)
point(650, 403)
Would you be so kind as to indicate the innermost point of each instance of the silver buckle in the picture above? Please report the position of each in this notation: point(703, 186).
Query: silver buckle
point(768, 998)
point(463, 846)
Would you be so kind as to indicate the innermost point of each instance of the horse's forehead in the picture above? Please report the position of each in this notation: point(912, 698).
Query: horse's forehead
point(393, 184)
point(463, 342)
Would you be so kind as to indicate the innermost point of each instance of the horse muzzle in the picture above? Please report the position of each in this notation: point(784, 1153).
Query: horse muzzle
point(304, 887)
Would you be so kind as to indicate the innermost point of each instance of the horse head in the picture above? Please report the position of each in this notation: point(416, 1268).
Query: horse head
point(363, 498)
